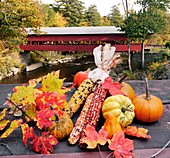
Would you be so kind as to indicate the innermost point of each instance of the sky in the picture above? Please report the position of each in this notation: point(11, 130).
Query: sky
point(103, 6)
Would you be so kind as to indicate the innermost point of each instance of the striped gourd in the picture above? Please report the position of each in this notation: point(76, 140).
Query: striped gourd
point(80, 95)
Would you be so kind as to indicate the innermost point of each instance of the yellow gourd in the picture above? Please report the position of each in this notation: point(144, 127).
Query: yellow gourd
point(121, 107)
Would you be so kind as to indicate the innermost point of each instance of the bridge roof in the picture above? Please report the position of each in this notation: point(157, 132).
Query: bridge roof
point(77, 30)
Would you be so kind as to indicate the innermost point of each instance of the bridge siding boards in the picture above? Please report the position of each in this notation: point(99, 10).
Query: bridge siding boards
point(71, 38)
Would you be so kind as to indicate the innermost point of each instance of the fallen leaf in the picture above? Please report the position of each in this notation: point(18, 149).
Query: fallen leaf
point(137, 132)
point(93, 138)
point(14, 125)
point(122, 146)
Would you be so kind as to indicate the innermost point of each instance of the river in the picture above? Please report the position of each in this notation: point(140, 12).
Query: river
point(67, 70)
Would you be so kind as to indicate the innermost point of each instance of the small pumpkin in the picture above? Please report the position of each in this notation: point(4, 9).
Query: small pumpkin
point(79, 77)
point(111, 125)
point(148, 108)
point(121, 107)
point(61, 128)
point(127, 89)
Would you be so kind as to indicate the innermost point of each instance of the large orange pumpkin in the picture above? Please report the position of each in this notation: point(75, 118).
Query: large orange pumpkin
point(80, 77)
point(148, 108)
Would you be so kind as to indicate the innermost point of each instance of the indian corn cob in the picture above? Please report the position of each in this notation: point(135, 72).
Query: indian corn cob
point(95, 108)
point(80, 122)
point(80, 95)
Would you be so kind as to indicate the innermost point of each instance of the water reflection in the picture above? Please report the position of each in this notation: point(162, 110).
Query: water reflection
point(67, 70)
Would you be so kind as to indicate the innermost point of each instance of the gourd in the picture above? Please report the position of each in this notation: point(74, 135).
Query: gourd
point(61, 128)
point(111, 125)
point(148, 108)
point(79, 77)
point(121, 107)
point(127, 88)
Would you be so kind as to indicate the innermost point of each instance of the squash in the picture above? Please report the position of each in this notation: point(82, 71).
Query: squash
point(79, 77)
point(61, 128)
point(111, 125)
point(121, 107)
point(148, 108)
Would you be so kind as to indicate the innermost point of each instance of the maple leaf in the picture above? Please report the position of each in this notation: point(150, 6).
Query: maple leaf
point(44, 144)
point(3, 124)
point(122, 146)
point(14, 124)
point(24, 95)
point(43, 118)
point(137, 132)
point(51, 83)
point(3, 113)
point(27, 132)
point(113, 87)
point(93, 138)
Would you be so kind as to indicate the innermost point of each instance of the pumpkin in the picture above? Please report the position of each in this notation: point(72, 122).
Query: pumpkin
point(61, 128)
point(121, 107)
point(111, 125)
point(79, 77)
point(148, 108)
point(128, 90)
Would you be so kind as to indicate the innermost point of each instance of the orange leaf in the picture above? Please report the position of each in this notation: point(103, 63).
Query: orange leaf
point(93, 138)
point(122, 146)
point(14, 124)
point(137, 132)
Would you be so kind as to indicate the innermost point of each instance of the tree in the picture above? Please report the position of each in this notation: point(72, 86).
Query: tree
point(139, 25)
point(93, 16)
point(72, 10)
point(51, 18)
point(105, 21)
point(16, 15)
point(115, 17)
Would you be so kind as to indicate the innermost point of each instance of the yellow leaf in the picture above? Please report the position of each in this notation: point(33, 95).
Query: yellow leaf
point(3, 113)
point(3, 124)
point(14, 124)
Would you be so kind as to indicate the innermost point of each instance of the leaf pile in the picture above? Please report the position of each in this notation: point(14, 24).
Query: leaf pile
point(36, 109)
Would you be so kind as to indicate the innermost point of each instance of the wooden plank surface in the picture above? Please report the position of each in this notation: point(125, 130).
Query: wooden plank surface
point(159, 131)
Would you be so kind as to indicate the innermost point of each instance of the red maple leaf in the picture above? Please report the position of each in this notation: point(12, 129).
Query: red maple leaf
point(137, 132)
point(44, 144)
point(43, 118)
point(122, 146)
point(28, 132)
point(113, 87)
point(93, 138)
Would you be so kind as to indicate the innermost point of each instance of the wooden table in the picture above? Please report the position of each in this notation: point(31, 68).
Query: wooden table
point(144, 148)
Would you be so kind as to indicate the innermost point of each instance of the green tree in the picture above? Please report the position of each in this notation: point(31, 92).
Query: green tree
point(116, 19)
point(93, 16)
point(148, 19)
point(72, 10)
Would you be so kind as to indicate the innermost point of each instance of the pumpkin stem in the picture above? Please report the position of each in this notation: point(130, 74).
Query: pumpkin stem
point(56, 115)
point(122, 78)
point(147, 89)
point(126, 109)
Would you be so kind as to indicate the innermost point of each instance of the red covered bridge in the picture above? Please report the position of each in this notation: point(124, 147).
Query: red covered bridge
point(77, 39)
